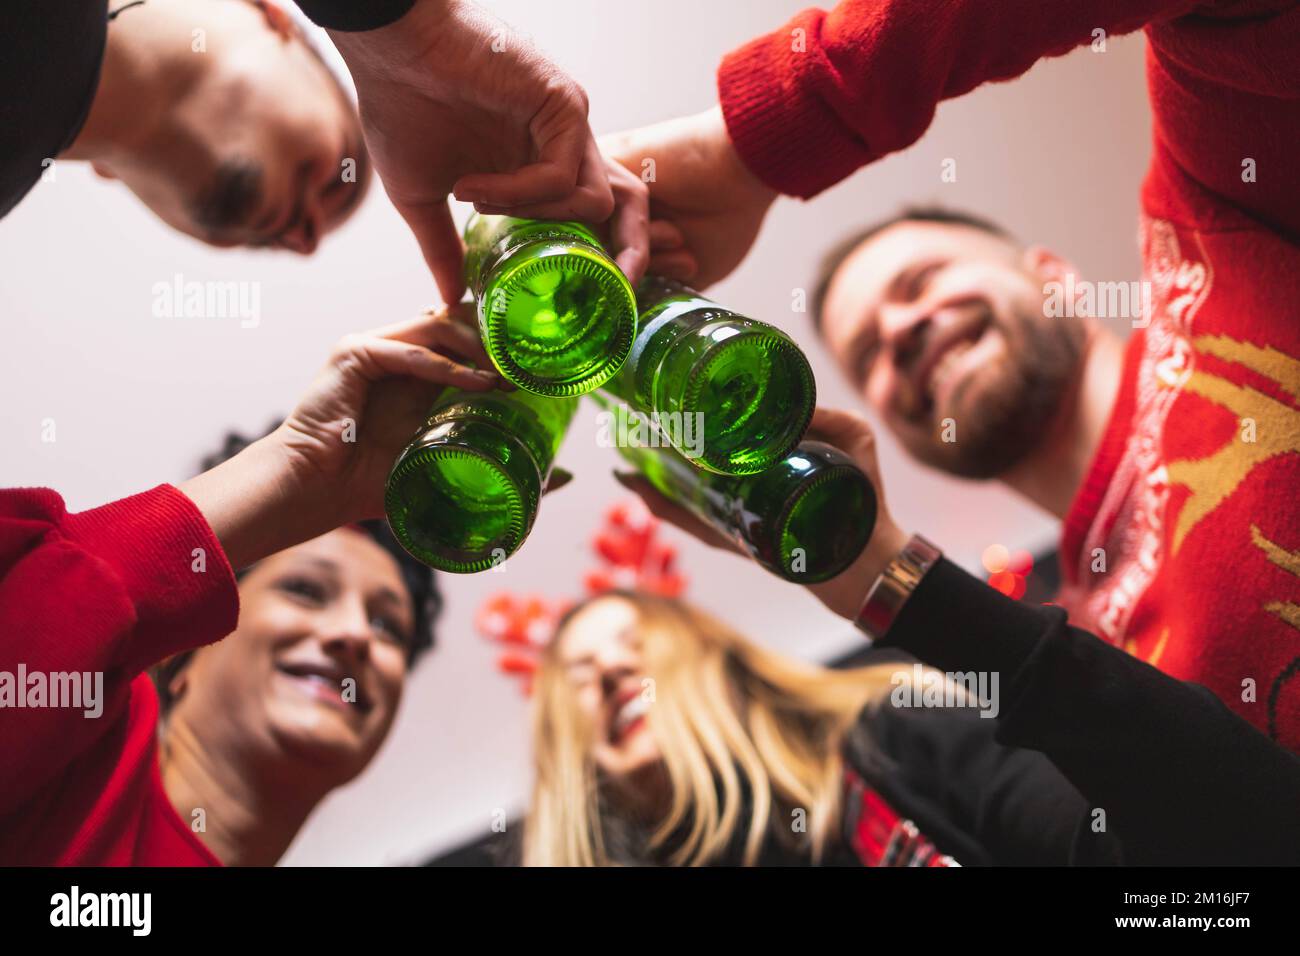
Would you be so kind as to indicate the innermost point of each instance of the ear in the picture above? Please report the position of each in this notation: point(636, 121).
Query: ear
point(180, 680)
point(102, 170)
point(1047, 265)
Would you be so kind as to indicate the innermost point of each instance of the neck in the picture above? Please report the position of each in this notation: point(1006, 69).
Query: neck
point(251, 814)
point(1051, 474)
point(145, 54)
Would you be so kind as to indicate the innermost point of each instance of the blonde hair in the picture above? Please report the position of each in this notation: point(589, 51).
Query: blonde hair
point(731, 720)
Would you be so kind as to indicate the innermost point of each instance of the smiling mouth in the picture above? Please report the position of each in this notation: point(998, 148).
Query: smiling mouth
point(629, 715)
point(324, 686)
point(942, 365)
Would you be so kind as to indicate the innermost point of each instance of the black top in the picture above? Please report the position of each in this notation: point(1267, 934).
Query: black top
point(50, 55)
point(50, 52)
point(354, 14)
point(976, 800)
point(1082, 726)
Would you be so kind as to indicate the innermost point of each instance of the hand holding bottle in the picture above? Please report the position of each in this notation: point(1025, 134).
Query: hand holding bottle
point(706, 207)
point(451, 100)
point(325, 466)
point(844, 593)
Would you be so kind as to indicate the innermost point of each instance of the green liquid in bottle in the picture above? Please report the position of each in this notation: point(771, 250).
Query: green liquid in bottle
point(463, 495)
point(745, 383)
point(807, 518)
point(556, 314)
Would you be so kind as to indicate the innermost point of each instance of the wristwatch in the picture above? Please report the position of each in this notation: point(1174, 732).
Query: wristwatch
point(895, 585)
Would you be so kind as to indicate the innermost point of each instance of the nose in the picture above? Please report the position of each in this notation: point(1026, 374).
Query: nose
point(614, 668)
point(347, 630)
point(903, 328)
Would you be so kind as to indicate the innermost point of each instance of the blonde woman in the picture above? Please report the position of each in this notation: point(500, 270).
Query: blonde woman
point(661, 736)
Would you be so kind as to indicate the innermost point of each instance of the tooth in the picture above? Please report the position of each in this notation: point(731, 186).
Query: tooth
point(630, 711)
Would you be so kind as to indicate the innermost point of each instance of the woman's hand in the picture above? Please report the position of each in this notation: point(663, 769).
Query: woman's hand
point(844, 593)
point(326, 465)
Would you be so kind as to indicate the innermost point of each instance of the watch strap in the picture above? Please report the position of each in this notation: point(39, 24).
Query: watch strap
point(895, 585)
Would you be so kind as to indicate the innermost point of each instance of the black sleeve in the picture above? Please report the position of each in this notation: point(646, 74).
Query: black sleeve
point(354, 15)
point(50, 54)
point(1182, 779)
point(980, 801)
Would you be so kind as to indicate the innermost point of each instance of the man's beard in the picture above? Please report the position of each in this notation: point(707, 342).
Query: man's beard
point(1011, 418)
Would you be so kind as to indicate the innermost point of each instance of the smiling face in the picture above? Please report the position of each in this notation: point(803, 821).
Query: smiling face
point(253, 148)
point(314, 671)
point(938, 323)
point(600, 654)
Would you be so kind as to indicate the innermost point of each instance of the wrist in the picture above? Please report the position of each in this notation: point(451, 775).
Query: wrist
point(844, 594)
point(402, 45)
point(894, 587)
point(728, 159)
point(256, 504)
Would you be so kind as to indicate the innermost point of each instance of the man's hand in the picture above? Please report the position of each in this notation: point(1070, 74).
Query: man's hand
point(706, 207)
point(452, 102)
point(844, 593)
point(326, 465)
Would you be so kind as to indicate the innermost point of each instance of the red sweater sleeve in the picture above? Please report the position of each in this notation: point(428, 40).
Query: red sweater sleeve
point(108, 591)
point(830, 92)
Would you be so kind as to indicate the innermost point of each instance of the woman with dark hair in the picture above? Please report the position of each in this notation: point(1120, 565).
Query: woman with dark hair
point(272, 548)
point(256, 729)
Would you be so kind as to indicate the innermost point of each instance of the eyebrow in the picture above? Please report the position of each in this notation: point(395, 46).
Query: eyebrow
point(385, 593)
point(912, 272)
point(389, 596)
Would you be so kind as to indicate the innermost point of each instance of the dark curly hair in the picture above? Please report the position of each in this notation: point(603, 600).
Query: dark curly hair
point(420, 580)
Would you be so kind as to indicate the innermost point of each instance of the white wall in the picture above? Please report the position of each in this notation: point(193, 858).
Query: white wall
point(1057, 156)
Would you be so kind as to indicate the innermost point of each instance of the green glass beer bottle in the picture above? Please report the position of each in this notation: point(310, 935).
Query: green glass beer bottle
point(806, 518)
point(463, 494)
point(556, 314)
point(741, 387)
